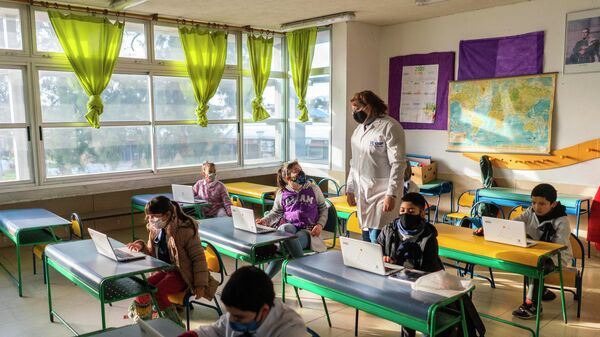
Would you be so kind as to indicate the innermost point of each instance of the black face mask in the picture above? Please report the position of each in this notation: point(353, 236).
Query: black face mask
point(359, 116)
point(410, 222)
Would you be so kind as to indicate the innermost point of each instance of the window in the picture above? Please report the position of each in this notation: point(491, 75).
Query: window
point(121, 144)
point(133, 44)
point(10, 29)
point(310, 141)
point(167, 45)
point(277, 58)
point(14, 132)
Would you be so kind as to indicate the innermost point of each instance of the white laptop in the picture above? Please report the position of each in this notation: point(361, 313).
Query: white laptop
point(506, 231)
point(147, 330)
point(366, 256)
point(243, 218)
point(184, 193)
point(104, 247)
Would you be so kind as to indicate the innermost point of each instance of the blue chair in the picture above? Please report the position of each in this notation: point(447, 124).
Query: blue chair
point(312, 332)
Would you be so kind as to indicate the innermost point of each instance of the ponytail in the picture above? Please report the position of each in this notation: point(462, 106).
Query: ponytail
point(180, 214)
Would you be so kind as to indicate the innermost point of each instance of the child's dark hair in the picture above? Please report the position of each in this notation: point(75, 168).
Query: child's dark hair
point(163, 205)
point(545, 191)
point(283, 173)
point(415, 199)
point(248, 289)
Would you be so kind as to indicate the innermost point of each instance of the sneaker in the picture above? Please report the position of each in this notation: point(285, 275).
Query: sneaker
point(548, 295)
point(526, 311)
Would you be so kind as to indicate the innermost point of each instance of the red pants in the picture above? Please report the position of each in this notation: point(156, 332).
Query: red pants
point(166, 283)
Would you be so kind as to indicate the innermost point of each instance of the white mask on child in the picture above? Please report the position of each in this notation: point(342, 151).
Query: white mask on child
point(158, 223)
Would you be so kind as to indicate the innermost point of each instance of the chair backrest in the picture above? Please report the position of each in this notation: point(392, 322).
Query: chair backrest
point(466, 199)
point(213, 259)
point(577, 247)
point(327, 181)
point(352, 224)
point(515, 212)
point(332, 220)
point(475, 208)
point(76, 227)
point(342, 189)
point(235, 201)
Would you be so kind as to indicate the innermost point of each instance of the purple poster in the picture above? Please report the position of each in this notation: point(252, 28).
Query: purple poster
point(501, 56)
point(413, 78)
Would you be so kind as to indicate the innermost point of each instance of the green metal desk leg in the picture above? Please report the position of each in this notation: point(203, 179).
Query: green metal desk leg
point(20, 281)
point(102, 313)
point(463, 318)
point(562, 291)
point(47, 271)
point(540, 290)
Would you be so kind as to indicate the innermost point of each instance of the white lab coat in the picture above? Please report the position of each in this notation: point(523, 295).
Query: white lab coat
point(376, 170)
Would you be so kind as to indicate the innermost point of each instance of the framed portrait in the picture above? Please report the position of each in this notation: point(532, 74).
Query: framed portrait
point(582, 42)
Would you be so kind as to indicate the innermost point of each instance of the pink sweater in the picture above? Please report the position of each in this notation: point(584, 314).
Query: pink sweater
point(216, 194)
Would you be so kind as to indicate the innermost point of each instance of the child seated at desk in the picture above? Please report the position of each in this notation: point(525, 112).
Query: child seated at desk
point(252, 310)
point(410, 241)
point(173, 238)
point(213, 191)
point(299, 208)
point(545, 220)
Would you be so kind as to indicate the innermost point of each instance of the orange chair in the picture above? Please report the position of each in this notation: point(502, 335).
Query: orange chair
point(515, 212)
point(75, 229)
point(235, 201)
point(466, 199)
point(215, 265)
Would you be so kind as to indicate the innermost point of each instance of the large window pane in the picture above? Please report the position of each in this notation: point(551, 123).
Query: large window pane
point(133, 45)
point(167, 45)
point(322, 50)
point(134, 41)
point(10, 29)
point(263, 142)
point(273, 97)
point(14, 155)
point(126, 98)
point(77, 151)
point(12, 101)
point(309, 142)
point(174, 99)
point(317, 99)
point(276, 61)
point(185, 145)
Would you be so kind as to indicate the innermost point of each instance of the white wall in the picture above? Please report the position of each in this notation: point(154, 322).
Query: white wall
point(577, 112)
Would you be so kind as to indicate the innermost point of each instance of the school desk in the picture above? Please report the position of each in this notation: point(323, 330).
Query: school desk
point(511, 197)
point(28, 227)
point(436, 188)
point(342, 207)
point(164, 326)
point(460, 244)
point(239, 244)
point(138, 203)
point(326, 275)
point(105, 279)
point(262, 195)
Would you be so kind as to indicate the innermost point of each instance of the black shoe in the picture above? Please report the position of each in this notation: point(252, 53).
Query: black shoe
point(548, 295)
point(526, 311)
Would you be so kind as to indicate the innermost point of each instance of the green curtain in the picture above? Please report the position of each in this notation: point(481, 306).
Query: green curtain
point(261, 54)
point(301, 47)
point(205, 53)
point(91, 44)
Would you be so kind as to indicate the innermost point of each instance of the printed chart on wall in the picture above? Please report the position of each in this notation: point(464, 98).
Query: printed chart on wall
point(419, 93)
point(501, 115)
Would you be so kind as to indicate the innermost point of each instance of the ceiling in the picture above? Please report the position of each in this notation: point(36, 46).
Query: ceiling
point(272, 13)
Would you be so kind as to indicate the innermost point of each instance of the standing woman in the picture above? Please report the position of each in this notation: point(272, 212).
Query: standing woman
point(377, 165)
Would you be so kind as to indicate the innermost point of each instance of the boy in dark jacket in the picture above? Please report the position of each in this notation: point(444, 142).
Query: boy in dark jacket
point(411, 241)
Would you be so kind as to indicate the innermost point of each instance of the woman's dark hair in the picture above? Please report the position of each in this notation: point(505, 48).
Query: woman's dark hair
point(283, 173)
point(369, 98)
point(545, 191)
point(248, 289)
point(164, 205)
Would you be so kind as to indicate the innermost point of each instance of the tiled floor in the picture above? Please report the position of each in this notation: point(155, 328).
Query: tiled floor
point(28, 316)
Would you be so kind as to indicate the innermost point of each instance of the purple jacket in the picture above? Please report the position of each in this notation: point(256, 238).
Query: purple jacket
point(216, 194)
point(303, 209)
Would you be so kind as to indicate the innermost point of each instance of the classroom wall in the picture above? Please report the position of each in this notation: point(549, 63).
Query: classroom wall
point(577, 111)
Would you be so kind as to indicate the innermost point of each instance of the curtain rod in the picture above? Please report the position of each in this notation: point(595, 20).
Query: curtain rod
point(146, 17)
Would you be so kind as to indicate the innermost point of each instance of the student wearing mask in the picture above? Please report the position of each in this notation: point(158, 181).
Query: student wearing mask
point(213, 191)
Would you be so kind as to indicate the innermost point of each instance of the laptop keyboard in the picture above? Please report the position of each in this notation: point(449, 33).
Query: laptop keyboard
point(121, 254)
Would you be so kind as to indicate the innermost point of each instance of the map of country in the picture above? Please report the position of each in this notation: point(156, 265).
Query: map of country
point(511, 114)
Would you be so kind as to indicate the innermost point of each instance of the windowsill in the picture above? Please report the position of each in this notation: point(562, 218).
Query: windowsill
point(27, 193)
